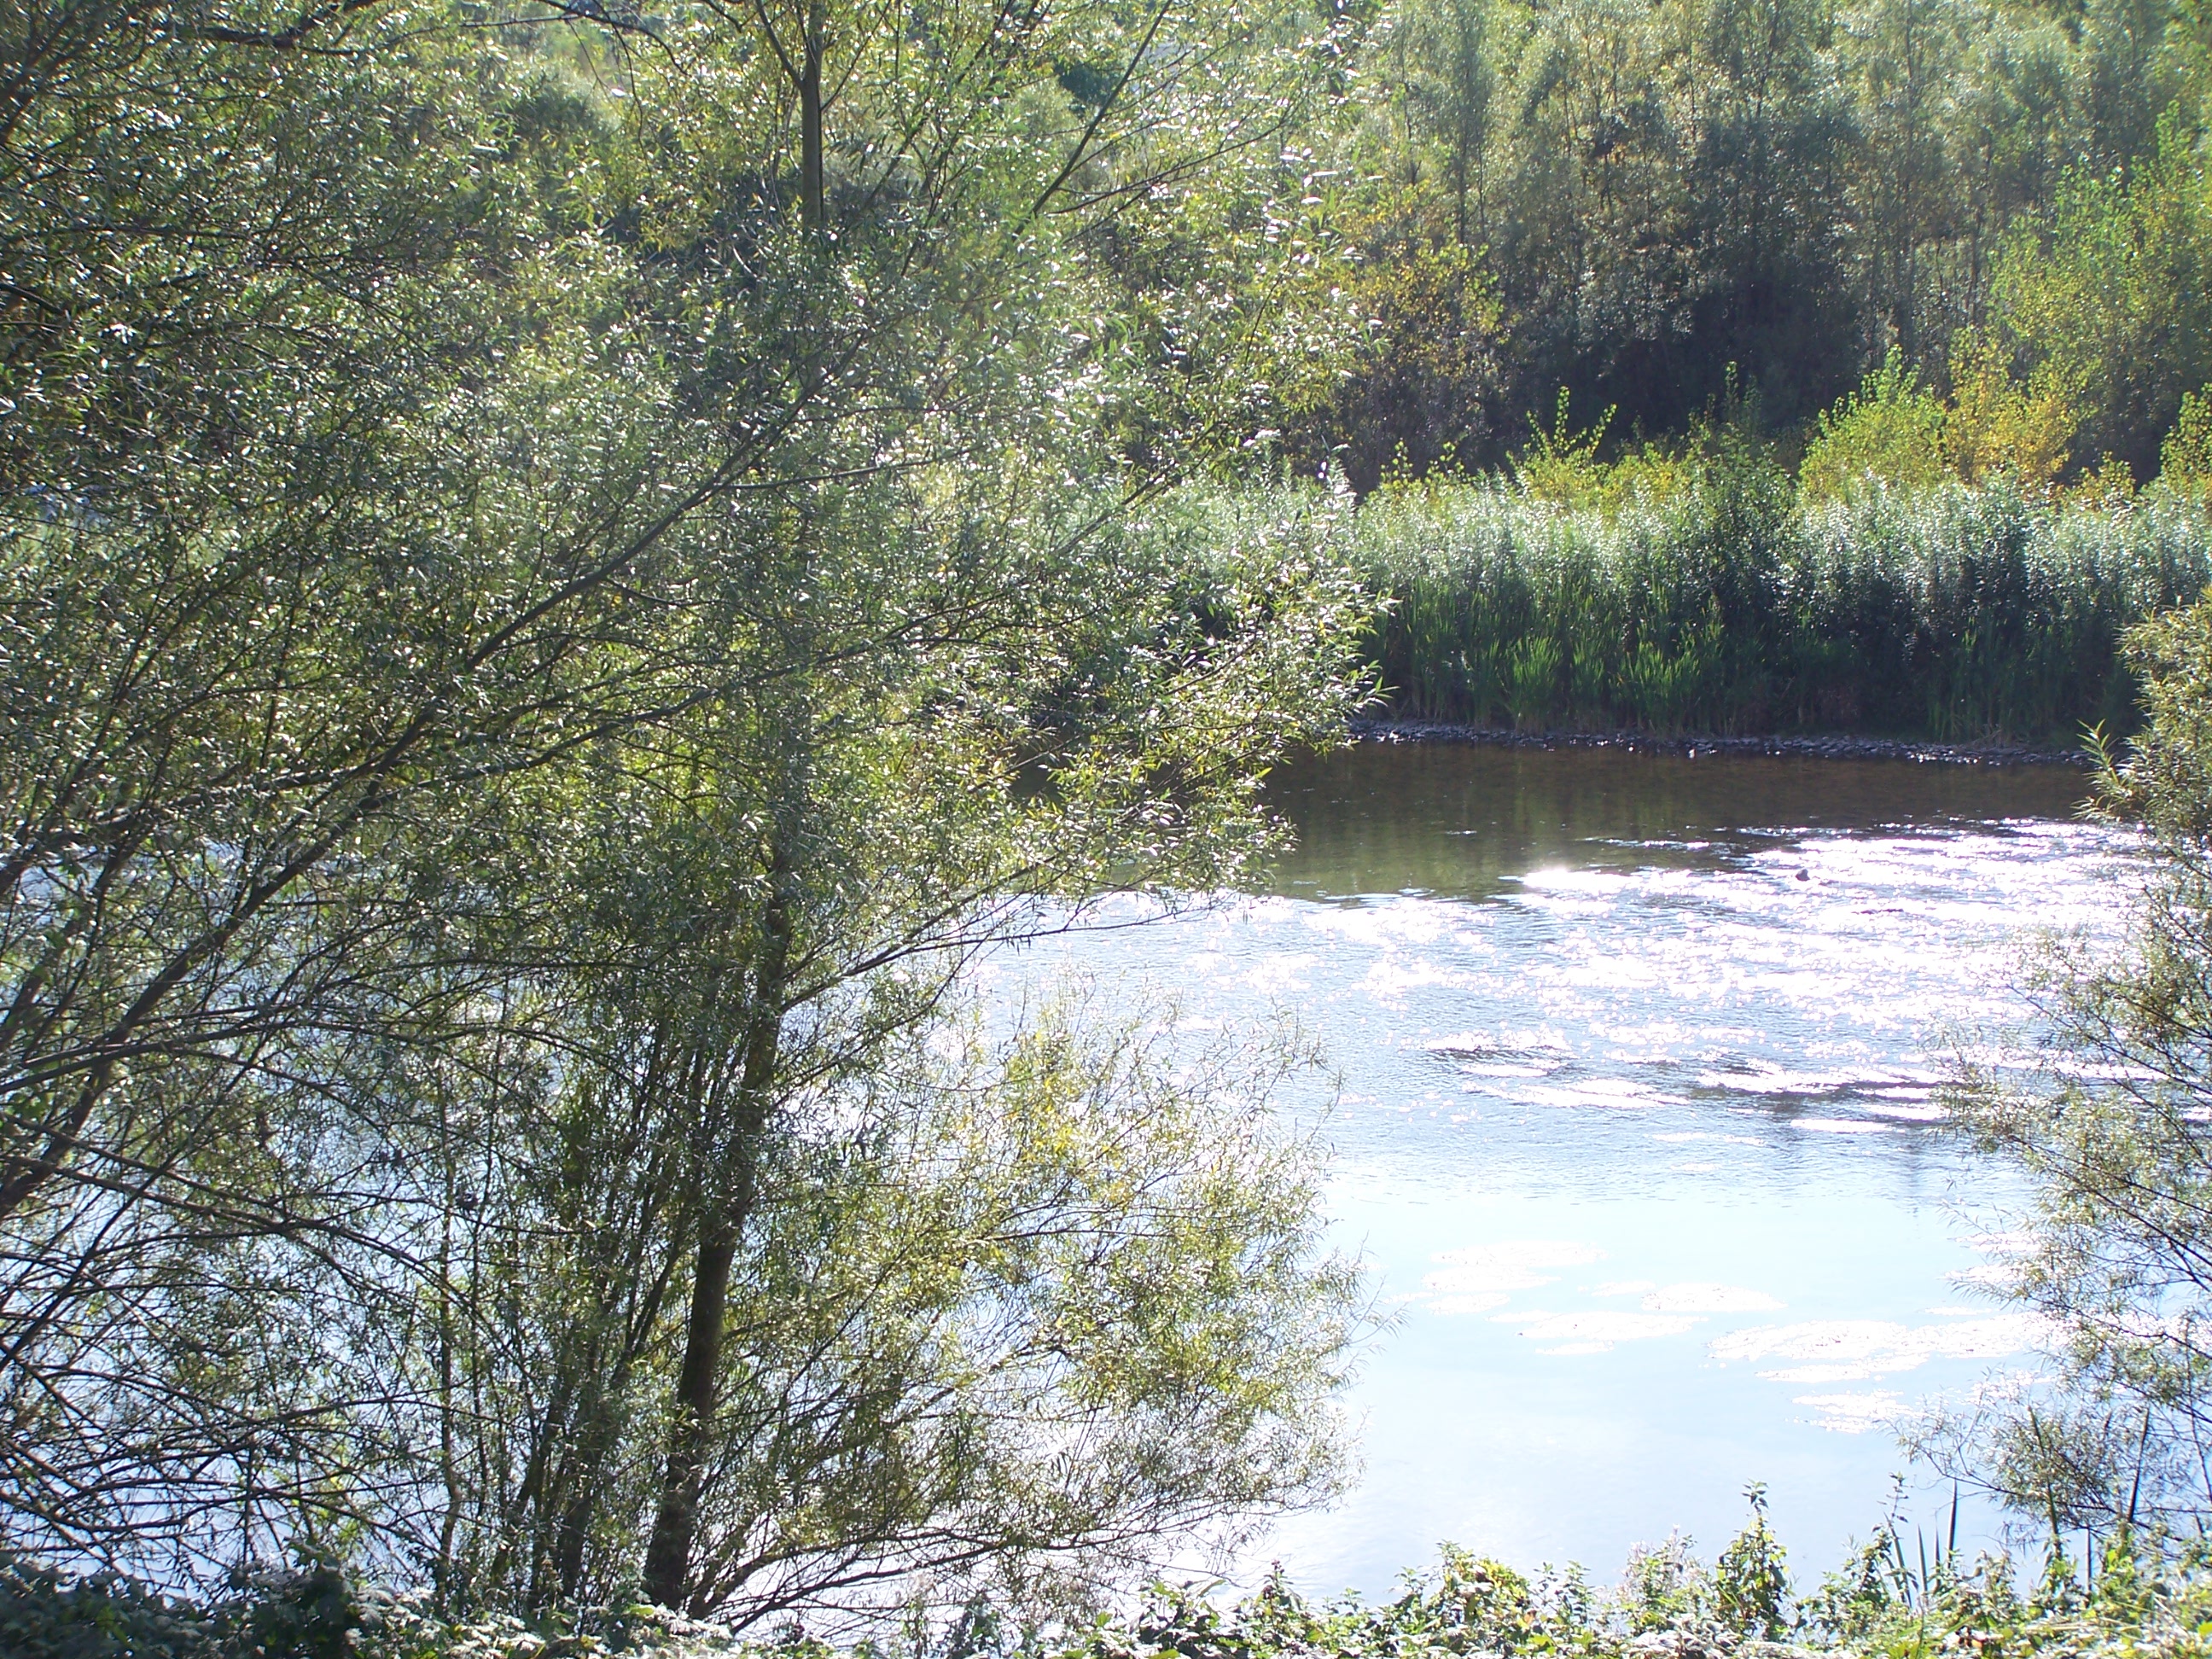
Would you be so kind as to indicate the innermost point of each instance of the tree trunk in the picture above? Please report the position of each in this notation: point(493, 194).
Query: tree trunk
point(676, 1523)
point(728, 1205)
point(813, 203)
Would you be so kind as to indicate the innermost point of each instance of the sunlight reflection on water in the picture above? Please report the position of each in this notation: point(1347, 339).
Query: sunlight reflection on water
point(1639, 1125)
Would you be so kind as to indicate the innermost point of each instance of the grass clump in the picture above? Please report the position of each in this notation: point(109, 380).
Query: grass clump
point(1736, 604)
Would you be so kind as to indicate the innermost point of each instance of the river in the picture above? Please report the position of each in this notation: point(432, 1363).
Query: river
point(1637, 1124)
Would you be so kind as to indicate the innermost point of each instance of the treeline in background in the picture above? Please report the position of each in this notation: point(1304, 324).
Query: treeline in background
point(1664, 212)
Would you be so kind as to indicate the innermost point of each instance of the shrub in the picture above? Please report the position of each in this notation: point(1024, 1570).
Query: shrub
point(1997, 426)
point(2185, 460)
point(1890, 431)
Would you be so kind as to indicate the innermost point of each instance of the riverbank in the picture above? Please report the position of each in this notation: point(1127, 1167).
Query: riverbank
point(1820, 747)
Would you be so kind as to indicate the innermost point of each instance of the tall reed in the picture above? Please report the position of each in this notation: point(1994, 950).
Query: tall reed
point(1955, 614)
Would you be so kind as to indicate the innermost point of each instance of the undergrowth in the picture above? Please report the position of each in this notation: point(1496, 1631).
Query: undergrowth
point(2135, 1600)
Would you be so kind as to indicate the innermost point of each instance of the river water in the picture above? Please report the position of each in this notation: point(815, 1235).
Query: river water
point(1637, 1059)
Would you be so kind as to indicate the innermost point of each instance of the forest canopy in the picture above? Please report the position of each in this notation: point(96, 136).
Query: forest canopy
point(1700, 211)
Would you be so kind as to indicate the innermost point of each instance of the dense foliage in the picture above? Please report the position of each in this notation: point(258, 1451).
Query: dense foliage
point(2107, 1114)
point(564, 571)
point(558, 580)
point(1669, 209)
point(1893, 1597)
point(1677, 310)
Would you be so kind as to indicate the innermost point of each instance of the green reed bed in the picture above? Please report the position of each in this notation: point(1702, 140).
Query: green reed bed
point(1957, 615)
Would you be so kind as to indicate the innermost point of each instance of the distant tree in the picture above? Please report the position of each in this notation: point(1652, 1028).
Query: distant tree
point(2113, 295)
point(1997, 423)
point(1671, 206)
point(2185, 459)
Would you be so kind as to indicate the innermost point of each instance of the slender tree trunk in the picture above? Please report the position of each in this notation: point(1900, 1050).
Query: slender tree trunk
point(722, 1223)
point(578, 1487)
point(676, 1523)
point(813, 201)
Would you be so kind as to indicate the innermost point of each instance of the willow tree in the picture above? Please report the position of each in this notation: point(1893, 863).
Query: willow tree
point(329, 501)
point(556, 595)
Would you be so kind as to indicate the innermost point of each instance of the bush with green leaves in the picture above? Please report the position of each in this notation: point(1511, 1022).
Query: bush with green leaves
point(2138, 1596)
point(309, 1609)
point(1890, 431)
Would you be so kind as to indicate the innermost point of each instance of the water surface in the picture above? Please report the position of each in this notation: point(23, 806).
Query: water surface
point(1639, 1058)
